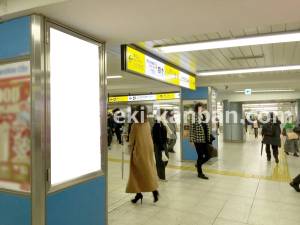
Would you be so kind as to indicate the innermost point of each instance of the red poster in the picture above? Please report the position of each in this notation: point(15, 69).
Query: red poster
point(15, 132)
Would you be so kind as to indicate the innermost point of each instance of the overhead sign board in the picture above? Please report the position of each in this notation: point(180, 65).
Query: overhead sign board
point(248, 91)
point(131, 98)
point(137, 62)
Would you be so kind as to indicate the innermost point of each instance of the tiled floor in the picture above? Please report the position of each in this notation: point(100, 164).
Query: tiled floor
point(223, 199)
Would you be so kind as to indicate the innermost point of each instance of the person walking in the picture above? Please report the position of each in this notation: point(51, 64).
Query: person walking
point(143, 174)
point(118, 125)
point(255, 126)
point(110, 129)
point(159, 132)
point(151, 120)
point(295, 183)
point(173, 126)
point(200, 138)
point(290, 145)
point(271, 136)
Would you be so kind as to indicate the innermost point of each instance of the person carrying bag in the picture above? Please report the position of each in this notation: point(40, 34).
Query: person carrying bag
point(271, 136)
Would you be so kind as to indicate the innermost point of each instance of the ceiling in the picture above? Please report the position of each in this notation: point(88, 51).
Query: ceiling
point(179, 21)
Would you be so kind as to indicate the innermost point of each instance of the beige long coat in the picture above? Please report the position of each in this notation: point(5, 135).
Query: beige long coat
point(143, 173)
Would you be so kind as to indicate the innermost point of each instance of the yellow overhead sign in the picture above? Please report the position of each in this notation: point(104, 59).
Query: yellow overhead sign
point(118, 99)
point(135, 61)
point(171, 75)
point(192, 83)
point(138, 62)
point(149, 97)
point(165, 96)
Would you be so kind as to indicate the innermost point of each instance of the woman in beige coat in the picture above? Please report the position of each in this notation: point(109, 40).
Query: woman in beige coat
point(143, 173)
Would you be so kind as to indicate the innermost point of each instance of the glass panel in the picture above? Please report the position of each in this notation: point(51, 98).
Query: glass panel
point(15, 126)
point(74, 96)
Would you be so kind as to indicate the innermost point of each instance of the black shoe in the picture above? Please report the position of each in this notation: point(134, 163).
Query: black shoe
point(137, 197)
point(295, 186)
point(277, 160)
point(196, 166)
point(202, 176)
point(287, 153)
point(171, 151)
point(268, 159)
point(155, 195)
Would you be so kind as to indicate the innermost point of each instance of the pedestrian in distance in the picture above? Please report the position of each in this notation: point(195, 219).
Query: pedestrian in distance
point(160, 132)
point(173, 126)
point(255, 126)
point(291, 145)
point(143, 174)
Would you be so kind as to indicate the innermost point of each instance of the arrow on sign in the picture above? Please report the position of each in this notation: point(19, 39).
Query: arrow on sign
point(130, 58)
point(247, 91)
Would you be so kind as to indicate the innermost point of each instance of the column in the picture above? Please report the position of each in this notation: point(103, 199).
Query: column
point(233, 122)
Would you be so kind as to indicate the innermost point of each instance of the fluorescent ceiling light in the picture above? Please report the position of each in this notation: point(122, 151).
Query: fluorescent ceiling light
point(110, 77)
point(267, 91)
point(267, 108)
point(249, 70)
point(162, 105)
point(264, 104)
point(271, 38)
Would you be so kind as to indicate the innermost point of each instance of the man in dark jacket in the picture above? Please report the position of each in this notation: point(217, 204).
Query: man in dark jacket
point(273, 140)
point(118, 125)
point(110, 129)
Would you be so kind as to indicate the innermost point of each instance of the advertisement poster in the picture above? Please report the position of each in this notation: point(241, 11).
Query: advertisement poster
point(15, 126)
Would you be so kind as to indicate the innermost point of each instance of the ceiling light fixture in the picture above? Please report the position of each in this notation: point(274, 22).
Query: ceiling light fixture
point(270, 38)
point(248, 57)
point(267, 90)
point(110, 77)
point(250, 70)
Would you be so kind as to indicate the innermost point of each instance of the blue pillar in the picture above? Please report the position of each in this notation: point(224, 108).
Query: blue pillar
point(189, 98)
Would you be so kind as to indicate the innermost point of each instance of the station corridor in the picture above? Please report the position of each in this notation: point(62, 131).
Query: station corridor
point(243, 188)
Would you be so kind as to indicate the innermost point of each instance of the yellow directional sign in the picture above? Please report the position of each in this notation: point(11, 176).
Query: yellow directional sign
point(166, 96)
point(118, 99)
point(135, 61)
point(171, 75)
point(143, 64)
point(192, 83)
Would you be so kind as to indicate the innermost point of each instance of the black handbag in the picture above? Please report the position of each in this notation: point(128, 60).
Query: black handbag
point(296, 130)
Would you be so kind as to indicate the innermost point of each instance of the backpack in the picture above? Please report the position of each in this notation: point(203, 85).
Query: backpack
point(268, 129)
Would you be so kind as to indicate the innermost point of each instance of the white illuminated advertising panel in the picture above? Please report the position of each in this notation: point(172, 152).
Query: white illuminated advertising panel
point(154, 68)
point(74, 99)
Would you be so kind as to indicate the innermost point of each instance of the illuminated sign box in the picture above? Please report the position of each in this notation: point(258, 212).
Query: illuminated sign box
point(142, 64)
point(131, 98)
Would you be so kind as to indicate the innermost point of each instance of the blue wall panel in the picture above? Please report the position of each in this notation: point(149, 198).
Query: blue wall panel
point(201, 92)
point(82, 204)
point(188, 153)
point(15, 38)
point(14, 210)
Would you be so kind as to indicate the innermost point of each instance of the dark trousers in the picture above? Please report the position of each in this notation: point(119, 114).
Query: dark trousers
point(202, 149)
point(160, 165)
point(118, 134)
point(171, 144)
point(109, 137)
point(256, 132)
point(275, 151)
point(296, 180)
